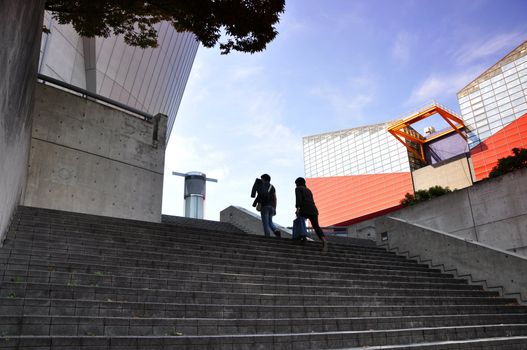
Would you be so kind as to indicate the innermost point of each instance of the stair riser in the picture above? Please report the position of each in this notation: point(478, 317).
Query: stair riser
point(218, 264)
point(196, 270)
point(27, 241)
point(129, 238)
point(229, 287)
point(24, 248)
point(102, 279)
point(61, 307)
point(275, 342)
point(44, 326)
point(201, 297)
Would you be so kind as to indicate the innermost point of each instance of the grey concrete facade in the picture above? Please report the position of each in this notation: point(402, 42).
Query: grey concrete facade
point(454, 173)
point(91, 158)
point(492, 212)
point(19, 49)
point(496, 269)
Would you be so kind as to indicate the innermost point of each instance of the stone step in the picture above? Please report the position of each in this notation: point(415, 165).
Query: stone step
point(77, 281)
point(119, 326)
point(175, 277)
point(497, 343)
point(187, 236)
point(363, 297)
point(30, 263)
point(21, 256)
point(44, 219)
point(284, 247)
point(291, 341)
point(94, 308)
point(177, 254)
point(28, 239)
point(267, 288)
point(69, 307)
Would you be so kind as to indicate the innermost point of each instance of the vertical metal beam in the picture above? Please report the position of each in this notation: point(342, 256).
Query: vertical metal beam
point(90, 63)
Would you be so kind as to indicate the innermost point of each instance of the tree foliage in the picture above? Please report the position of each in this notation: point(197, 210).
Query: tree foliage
point(424, 195)
point(248, 25)
point(507, 164)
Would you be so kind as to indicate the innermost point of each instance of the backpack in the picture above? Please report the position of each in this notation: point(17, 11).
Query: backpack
point(263, 196)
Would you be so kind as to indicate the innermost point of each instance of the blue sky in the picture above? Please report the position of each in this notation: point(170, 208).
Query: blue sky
point(336, 64)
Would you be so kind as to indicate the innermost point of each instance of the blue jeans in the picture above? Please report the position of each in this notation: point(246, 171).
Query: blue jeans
point(267, 220)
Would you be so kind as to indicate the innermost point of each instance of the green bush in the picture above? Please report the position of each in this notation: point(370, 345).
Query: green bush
point(507, 164)
point(424, 195)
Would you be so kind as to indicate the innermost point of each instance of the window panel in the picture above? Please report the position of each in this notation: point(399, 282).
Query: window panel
point(477, 105)
point(485, 83)
point(500, 89)
point(511, 78)
point(497, 81)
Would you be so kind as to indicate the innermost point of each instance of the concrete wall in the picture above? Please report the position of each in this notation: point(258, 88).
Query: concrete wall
point(455, 174)
point(494, 268)
point(91, 158)
point(247, 221)
point(493, 212)
point(19, 48)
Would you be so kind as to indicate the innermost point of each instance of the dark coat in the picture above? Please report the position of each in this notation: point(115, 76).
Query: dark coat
point(305, 202)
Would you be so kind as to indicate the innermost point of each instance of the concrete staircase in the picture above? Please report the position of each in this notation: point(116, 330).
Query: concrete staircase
point(75, 281)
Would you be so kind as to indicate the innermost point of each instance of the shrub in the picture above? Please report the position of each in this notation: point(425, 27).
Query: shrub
point(424, 195)
point(507, 164)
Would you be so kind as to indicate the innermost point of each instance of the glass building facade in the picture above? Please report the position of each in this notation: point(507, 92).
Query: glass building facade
point(496, 98)
point(494, 108)
point(356, 172)
point(358, 151)
point(151, 80)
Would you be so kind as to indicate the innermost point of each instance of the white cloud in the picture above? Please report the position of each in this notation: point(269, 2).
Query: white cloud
point(243, 73)
point(352, 101)
point(402, 47)
point(441, 86)
point(481, 49)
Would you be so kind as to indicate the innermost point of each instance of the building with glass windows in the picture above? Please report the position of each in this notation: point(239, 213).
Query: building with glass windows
point(151, 80)
point(494, 107)
point(364, 172)
point(346, 168)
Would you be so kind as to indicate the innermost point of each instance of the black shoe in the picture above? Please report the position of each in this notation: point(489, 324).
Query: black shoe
point(324, 247)
point(277, 233)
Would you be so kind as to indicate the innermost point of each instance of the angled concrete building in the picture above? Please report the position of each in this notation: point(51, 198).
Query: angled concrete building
point(98, 144)
point(150, 80)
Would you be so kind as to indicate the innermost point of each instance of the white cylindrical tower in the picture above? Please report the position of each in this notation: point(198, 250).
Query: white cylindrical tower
point(195, 189)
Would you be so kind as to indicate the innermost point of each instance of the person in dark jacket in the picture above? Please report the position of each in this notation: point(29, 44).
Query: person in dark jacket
point(266, 198)
point(306, 208)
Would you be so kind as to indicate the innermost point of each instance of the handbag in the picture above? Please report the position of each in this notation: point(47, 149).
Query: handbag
point(299, 228)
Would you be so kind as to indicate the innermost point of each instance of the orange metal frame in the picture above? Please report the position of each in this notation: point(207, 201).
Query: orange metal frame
point(397, 128)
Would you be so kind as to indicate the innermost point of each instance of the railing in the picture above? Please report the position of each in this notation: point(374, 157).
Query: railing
point(331, 230)
point(426, 106)
point(85, 93)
